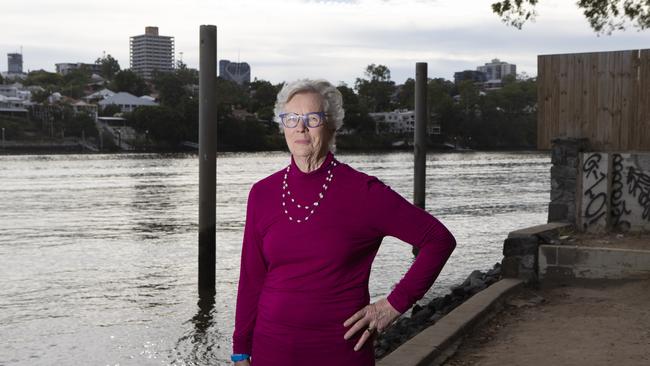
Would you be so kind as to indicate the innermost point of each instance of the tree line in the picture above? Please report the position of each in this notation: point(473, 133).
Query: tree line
point(468, 116)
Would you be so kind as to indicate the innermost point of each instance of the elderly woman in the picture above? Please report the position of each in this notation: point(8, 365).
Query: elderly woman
point(312, 231)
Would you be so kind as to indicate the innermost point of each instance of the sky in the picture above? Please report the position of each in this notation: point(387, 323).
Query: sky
point(285, 40)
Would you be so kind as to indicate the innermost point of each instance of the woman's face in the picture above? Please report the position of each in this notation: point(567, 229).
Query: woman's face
point(303, 141)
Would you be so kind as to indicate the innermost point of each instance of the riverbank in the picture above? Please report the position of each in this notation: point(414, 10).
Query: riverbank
point(422, 317)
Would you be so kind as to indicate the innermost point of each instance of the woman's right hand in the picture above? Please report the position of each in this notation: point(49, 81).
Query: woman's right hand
point(246, 362)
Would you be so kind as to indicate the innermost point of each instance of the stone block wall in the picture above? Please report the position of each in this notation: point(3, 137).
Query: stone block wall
point(564, 176)
point(521, 248)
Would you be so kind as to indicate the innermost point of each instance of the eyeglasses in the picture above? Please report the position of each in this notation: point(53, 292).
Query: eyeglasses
point(310, 120)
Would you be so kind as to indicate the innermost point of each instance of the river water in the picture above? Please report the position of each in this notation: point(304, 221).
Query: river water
point(98, 253)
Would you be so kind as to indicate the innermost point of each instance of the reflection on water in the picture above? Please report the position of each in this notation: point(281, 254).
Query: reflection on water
point(98, 253)
point(197, 346)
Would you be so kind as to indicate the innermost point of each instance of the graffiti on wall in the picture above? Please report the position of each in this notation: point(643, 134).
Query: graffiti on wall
point(618, 209)
point(639, 187)
point(615, 192)
point(594, 200)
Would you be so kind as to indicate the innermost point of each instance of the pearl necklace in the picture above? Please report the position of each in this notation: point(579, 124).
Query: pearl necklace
point(309, 209)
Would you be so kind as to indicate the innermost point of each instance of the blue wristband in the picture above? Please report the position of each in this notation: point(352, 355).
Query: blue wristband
point(239, 357)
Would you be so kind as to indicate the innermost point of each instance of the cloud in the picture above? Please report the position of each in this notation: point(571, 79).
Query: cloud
point(333, 1)
point(288, 39)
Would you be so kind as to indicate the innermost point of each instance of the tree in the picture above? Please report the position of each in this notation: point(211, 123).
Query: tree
point(171, 90)
point(377, 89)
point(40, 96)
point(441, 104)
point(110, 110)
point(164, 124)
point(2, 81)
point(128, 81)
point(110, 66)
point(406, 95)
point(604, 16)
point(356, 115)
point(186, 75)
point(262, 98)
point(79, 76)
point(231, 93)
point(79, 125)
point(74, 82)
point(44, 79)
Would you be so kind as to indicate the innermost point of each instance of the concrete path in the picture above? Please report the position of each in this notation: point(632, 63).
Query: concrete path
point(588, 323)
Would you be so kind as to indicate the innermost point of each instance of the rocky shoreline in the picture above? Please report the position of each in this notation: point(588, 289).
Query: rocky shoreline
point(422, 317)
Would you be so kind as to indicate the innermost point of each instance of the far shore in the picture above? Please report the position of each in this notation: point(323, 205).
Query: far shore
point(69, 150)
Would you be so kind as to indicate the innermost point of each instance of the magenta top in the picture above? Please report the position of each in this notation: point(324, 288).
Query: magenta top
point(300, 280)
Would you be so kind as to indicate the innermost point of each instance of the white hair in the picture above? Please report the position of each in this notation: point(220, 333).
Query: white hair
point(331, 98)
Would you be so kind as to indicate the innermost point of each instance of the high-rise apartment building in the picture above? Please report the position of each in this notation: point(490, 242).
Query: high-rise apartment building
point(497, 70)
point(150, 51)
point(239, 72)
point(15, 62)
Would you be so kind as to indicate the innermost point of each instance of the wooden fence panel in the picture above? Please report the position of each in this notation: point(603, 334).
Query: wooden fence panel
point(643, 101)
point(603, 96)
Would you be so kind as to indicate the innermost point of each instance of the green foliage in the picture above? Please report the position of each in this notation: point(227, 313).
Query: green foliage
point(162, 124)
point(14, 127)
point(128, 81)
point(186, 75)
point(171, 89)
point(79, 125)
point(110, 110)
point(604, 16)
point(503, 118)
point(232, 94)
point(375, 91)
point(72, 84)
point(79, 76)
point(190, 111)
point(356, 115)
point(248, 135)
point(262, 96)
point(439, 92)
point(441, 104)
point(2, 81)
point(40, 96)
point(75, 91)
point(406, 95)
point(44, 79)
point(110, 66)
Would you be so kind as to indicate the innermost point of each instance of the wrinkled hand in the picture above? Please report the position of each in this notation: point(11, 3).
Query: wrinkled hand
point(243, 363)
point(375, 317)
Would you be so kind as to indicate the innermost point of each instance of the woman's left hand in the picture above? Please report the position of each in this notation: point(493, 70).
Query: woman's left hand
point(372, 318)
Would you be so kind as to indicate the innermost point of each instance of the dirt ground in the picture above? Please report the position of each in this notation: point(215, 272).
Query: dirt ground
point(590, 323)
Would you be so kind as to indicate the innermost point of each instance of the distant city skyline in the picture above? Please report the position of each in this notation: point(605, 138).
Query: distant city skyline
point(280, 43)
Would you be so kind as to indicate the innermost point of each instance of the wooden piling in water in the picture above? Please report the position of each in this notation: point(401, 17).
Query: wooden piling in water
point(420, 136)
point(207, 158)
point(420, 143)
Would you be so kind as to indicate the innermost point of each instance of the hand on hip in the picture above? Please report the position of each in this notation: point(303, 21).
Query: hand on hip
point(373, 318)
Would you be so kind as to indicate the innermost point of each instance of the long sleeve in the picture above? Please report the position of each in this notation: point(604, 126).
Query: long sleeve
point(251, 278)
point(392, 215)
